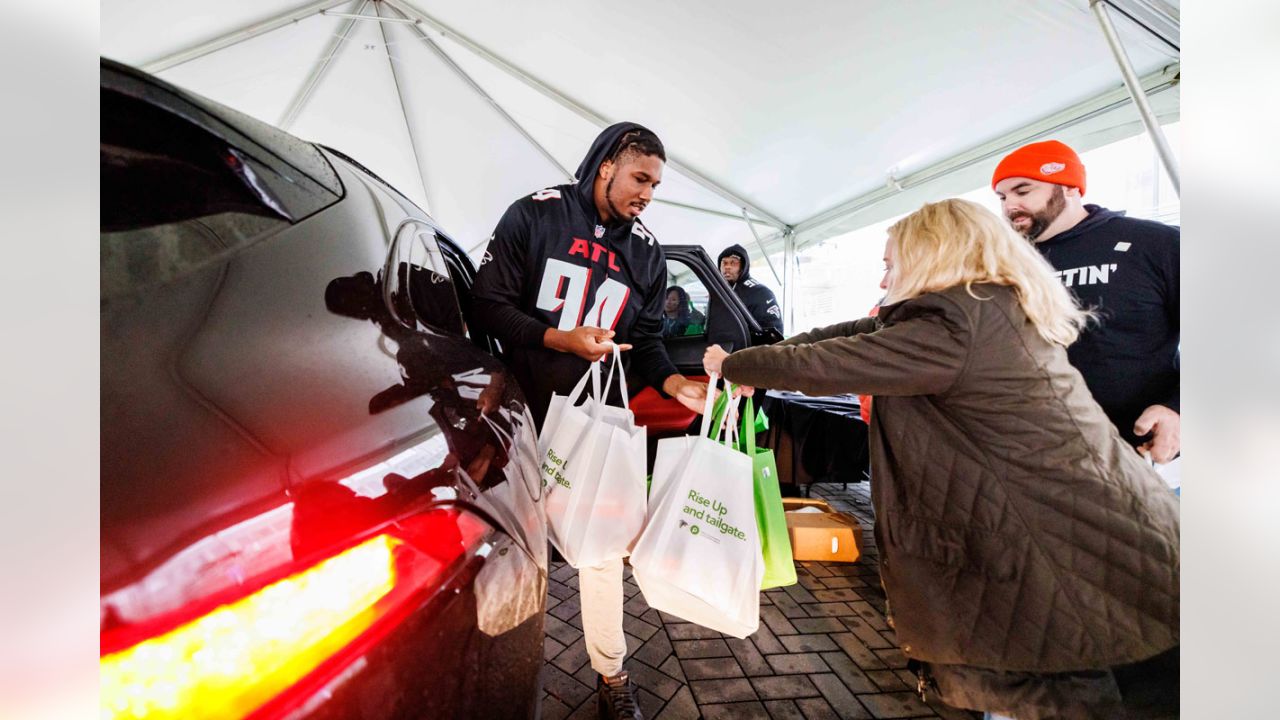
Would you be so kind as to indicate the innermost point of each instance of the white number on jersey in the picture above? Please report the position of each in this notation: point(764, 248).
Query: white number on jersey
point(564, 290)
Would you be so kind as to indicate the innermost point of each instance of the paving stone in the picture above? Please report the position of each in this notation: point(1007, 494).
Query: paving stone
point(550, 648)
point(835, 583)
point(816, 709)
point(859, 653)
point(636, 606)
point(560, 591)
point(776, 621)
point(572, 658)
point(907, 677)
point(576, 621)
point(789, 607)
point(749, 657)
point(722, 691)
point(711, 668)
point(869, 614)
point(890, 681)
point(649, 703)
point(735, 711)
point(852, 677)
point(563, 632)
point(653, 617)
point(892, 657)
point(808, 643)
point(655, 650)
point(895, 705)
point(553, 709)
point(838, 696)
point(551, 602)
point(799, 663)
point(561, 572)
point(828, 609)
point(809, 582)
point(818, 625)
point(671, 666)
point(566, 689)
point(655, 681)
point(840, 595)
point(693, 649)
point(567, 608)
point(680, 707)
point(868, 635)
point(689, 631)
point(765, 640)
point(798, 593)
point(638, 628)
point(784, 687)
point(816, 569)
point(783, 710)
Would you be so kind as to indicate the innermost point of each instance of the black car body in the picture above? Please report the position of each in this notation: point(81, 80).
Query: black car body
point(319, 497)
point(320, 491)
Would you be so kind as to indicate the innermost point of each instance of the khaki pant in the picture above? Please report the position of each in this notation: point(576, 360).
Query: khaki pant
point(600, 589)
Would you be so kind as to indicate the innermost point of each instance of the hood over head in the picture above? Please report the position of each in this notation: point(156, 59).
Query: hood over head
point(742, 255)
point(603, 146)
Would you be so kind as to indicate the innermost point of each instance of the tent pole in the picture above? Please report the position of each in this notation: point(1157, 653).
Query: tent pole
point(448, 61)
point(789, 286)
point(582, 111)
point(404, 112)
point(747, 218)
point(1139, 96)
point(318, 72)
point(238, 36)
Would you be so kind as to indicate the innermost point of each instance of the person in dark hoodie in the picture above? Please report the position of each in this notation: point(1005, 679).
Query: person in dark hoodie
point(735, 267)
point(1126, 270)
point(569, 271)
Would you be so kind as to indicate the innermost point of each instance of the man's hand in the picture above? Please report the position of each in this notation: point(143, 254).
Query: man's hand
point(588, 343)
point(713, 358)
point(691, 394)
point(1165, 427)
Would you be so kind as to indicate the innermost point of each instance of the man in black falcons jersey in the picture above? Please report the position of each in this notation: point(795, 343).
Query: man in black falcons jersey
point(1123, 268)
point(569, 271)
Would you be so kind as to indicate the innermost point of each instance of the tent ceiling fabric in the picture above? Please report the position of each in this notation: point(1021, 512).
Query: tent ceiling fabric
point(796, 108)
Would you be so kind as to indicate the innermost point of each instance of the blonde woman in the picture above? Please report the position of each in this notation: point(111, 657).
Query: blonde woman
point(1029, 555)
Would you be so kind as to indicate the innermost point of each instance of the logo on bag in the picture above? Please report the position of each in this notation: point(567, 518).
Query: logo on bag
point(693, 529)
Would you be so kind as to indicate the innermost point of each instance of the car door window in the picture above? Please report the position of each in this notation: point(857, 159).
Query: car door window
point(686, 304)
point(420, 290)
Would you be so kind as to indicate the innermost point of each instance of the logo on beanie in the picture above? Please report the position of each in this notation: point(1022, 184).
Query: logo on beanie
point(1051, 168)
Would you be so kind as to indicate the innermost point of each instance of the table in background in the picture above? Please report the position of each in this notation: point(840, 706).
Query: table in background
point(815, 439)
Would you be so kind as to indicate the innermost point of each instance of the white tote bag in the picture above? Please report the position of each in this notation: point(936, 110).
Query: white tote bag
point(699, 557)
point(593, 469)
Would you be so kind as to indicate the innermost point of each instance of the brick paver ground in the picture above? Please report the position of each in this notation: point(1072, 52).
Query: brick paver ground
point(823, 649)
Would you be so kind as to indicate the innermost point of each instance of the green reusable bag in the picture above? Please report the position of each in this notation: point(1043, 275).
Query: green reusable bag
point(775, 543)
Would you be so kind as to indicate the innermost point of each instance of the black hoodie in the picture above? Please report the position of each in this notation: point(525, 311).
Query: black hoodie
point(550, 263)
point(1127, 270)
point(759, 299)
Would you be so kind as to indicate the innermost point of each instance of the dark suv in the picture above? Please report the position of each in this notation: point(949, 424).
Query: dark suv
point(320, 495)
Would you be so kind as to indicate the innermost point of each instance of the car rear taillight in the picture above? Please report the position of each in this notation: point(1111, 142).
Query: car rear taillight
point(254, 651)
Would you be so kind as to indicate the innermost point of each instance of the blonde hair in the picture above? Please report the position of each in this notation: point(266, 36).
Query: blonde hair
point(956, 242)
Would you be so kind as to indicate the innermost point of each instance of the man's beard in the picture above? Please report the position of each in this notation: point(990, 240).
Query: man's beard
point(1042, 220)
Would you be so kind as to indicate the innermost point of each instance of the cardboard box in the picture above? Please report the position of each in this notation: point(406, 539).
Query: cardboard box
point(795, 503)
point(828, 536)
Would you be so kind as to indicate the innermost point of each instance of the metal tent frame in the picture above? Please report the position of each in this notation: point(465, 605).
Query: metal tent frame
point(1150, 15)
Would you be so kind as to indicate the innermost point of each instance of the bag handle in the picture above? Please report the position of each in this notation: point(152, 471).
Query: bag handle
point(705, 428)
point(748, 436)
point(616, 367)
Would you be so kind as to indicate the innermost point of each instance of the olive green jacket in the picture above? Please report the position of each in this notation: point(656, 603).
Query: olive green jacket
point(1017, 531)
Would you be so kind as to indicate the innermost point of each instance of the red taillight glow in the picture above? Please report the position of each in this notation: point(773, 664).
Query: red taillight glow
point(234, 660)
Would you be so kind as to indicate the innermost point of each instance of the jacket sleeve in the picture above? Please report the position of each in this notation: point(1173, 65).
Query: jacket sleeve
point(500, 283)
point(844, 329)
point(923, 355)
point(647, 352)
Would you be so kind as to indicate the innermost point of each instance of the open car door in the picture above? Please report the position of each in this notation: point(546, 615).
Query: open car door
point(701, 311)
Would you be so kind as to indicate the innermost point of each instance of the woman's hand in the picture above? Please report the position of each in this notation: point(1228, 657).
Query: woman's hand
point(713, 358)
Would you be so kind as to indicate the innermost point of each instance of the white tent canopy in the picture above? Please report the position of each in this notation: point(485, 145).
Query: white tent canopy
point(812, 118)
